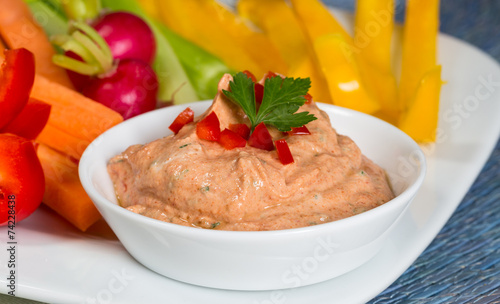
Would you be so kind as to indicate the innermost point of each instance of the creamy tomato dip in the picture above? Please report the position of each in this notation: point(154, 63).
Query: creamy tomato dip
point(185, 180)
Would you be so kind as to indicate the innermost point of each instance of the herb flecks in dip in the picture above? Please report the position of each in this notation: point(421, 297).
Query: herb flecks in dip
point(189, 181)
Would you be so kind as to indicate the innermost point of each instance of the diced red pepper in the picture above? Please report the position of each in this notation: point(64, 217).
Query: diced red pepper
point(270, 74)
point(299, 131)
point(308, 98)
point(241, 129)
point(260, 138)
point(181, 120)
point(16, 79)
point(250, 75)
point(259, 94)
point(284, 153)
point(230, 140)
point(31, 121)
point(209, 127)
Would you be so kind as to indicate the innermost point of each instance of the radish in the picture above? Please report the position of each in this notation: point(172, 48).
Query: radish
point(128, 86)
point(130, 90)
point(127, 35)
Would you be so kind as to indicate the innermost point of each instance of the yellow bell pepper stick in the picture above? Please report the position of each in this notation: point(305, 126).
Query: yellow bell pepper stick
point(277, 21)
point(257, 45)
point(419, 45)
point(342, 74)
point(194, 20)
point(373, 31)
point(335, 55)
point(317, 20)
point(421, 119)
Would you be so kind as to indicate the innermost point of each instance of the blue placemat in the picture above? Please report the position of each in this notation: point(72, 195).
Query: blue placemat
point(462, 265)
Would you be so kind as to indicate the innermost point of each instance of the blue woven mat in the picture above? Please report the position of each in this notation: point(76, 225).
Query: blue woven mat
point(462, 265)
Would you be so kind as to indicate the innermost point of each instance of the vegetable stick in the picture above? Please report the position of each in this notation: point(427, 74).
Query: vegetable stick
point(373, 31)
point(253, 42)
point(421, 119)
point(78, 119)
point(62, 141)
point(277, 20)
point(335, 55)
point(317, 20)
point(419, 46)
point(19, 29)
point(192, 22)
point(342, 75)
point(63, 190)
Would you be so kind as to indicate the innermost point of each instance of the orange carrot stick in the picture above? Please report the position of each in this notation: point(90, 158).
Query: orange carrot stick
point(19, 29)
point(63, 190)
point(75, 120)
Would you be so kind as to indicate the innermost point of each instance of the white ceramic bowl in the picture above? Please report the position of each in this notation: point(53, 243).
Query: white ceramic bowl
point(259, 260)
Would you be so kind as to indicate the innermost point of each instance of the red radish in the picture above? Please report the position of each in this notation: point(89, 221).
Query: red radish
point(127, 35)
point(241, 129)
point(230, 140)
point(209, 127)
point(299, 131)
point(130, 90)
point(182, 119)
point(260, 138)
point(284, 153)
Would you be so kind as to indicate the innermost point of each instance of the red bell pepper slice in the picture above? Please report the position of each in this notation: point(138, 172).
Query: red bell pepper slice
point(284, 153)
point(299, 131)
point(181, 120)
point(31, 121)
point(241, 129)
point(230, 140)
point(260, 138)
point(16, 79)
point(209, 127)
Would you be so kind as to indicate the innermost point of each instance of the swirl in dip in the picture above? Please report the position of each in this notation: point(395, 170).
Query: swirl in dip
point(193, 182)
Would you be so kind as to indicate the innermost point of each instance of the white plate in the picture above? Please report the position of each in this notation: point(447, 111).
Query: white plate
point(58, 264)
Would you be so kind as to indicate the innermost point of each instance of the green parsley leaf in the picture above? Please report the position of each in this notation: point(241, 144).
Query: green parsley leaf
point(282, 98)
point(242, 93)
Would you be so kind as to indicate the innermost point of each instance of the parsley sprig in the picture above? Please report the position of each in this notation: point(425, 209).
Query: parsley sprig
point(282, 98)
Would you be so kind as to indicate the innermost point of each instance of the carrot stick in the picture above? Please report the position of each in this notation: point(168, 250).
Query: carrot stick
point(62, 141)
point(19, 29)
point(63, 190)
point(75, 120)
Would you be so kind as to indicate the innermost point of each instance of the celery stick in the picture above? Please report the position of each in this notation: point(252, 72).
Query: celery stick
point(48, 16)
point(203, 69)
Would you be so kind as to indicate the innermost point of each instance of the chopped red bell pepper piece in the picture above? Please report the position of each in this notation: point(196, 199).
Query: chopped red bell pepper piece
point(241, 129)
point(299, 131)
point(230, 140)
point(16, 78)
point(260, 138)
point(209, 127)
point(259, 94)
point(31, 121)
point(308, 98)
point(270, 74)
point(284, 153)
point(250, 75)
point(181, 120)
